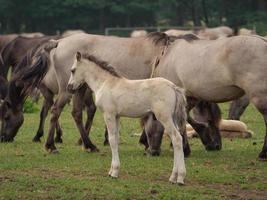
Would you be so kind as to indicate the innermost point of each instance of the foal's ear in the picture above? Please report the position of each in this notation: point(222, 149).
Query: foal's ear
point(78, 56)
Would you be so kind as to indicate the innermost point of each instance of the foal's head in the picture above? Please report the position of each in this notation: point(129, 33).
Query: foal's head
point(77, 77)
point(83, 64)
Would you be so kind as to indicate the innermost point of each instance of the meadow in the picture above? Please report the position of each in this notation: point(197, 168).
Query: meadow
point(28, 172)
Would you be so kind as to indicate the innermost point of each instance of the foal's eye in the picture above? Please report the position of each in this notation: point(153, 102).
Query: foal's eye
point(72, 71)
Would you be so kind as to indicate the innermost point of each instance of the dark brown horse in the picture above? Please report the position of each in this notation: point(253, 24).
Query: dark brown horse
point(16, 54)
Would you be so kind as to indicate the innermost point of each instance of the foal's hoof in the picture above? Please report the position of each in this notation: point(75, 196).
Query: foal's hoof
point(180, 183)
point(58, 140)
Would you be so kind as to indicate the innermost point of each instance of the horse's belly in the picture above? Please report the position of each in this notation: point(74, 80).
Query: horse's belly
point(218, 94)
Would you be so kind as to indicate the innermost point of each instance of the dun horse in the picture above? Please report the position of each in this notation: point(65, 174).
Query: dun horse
point(117, 96)
point(226, 70)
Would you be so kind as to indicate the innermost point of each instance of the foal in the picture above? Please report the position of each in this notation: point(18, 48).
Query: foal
point(116, 96)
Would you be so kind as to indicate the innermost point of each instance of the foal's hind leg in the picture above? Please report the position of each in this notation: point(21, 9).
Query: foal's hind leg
point(56, 111)
point(261, 105)
point(77, 115)
point(179, 171)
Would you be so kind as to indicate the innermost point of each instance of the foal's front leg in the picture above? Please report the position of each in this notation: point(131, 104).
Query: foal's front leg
point(112, 123)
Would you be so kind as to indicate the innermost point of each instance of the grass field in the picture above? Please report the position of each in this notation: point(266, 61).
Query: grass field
point(28, 172)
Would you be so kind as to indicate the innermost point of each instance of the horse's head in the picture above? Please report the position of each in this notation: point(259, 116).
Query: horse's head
point(12, 119)
point(152, 137)
point(77, 76)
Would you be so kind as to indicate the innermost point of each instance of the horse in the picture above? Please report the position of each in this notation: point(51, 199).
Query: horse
point(226, 70)
point(138, 52)
point(118, 97)
point(215, 33)
point(4, 40)
point(138, 33)
point(134, 58)
point(176, 32)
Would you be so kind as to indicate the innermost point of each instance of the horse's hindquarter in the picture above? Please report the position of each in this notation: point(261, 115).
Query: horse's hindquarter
point(212, 70)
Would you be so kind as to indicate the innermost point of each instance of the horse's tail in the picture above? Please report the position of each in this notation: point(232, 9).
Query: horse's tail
point(180, 112)
point(35, 66)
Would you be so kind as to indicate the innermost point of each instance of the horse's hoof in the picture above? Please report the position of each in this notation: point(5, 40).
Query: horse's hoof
point(58, 140)
point(113, 176)
point(54, 151)
point(79, 142)
point(172, 181)
point(88, 150)
point(106, 143)
point(180, 183)
point(263, 156)
point(51, 149)
point(187, 152)
point(35, 139)
point(95, 150)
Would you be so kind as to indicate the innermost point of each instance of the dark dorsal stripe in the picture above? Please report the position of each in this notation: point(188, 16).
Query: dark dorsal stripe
point(159, 38)
point(188, 37)
point(102, 64)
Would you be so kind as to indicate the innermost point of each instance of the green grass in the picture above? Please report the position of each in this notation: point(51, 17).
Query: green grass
point(28, 172)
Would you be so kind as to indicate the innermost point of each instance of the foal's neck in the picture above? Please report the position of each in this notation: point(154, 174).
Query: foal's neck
point(97, 77)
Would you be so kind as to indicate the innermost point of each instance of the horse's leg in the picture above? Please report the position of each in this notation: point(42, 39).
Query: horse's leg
point(56, 111)
point(48, 102)
point(58, 138)
point(90, 110)
point(179, 171)
point(112, 123)
point(106, 137)
point(261, 105)
point(237, 107)
point(78, 98)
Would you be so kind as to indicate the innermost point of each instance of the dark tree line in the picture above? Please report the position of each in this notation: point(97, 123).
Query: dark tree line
point(94, 15)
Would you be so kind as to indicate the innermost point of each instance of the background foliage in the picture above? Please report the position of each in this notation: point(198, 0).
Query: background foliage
point(94, 15)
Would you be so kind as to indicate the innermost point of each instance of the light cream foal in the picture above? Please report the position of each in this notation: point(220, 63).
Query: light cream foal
point(116, 96)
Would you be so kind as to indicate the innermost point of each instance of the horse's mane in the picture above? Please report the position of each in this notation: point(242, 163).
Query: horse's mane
point(159, 38)
point(102, 64)
point(187, 37)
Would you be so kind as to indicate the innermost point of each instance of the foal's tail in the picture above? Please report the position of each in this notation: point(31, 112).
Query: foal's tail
point(180, 112)
point(34, 67)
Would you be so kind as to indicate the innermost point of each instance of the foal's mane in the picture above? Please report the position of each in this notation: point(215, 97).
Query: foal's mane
point(102, 64)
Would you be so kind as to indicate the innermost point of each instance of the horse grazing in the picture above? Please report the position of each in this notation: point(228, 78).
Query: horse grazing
point(137, 53)
point(117, 96)
point(226, 70)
